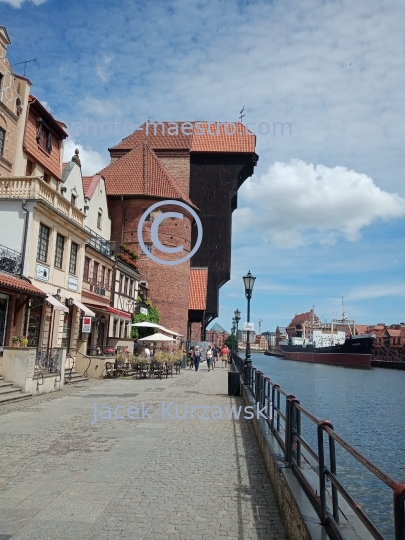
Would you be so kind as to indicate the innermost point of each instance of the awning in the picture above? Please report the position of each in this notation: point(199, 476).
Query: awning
point(56, 304)
point(85, 309)
point(121, 313)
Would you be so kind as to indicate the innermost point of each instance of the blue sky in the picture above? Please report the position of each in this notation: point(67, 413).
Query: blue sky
point(324, 215)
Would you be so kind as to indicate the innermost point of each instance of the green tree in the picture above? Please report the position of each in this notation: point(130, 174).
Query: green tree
point(153, 316)
point(231, 341)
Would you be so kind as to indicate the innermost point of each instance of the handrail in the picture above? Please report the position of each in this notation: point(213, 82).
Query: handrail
point(291, 441)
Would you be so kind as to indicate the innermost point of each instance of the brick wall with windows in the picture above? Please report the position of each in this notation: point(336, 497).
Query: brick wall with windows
point(168, 284)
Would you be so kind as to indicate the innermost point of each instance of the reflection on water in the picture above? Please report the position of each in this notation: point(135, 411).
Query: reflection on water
point(366, 407)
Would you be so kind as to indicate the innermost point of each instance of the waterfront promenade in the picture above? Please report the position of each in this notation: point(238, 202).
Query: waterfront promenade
point(62, 477)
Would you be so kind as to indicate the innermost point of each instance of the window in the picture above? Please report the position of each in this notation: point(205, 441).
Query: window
point(47, 178)
point(121, 289)
point(108, 279)
point(102, 280)
point(18, 107)
point(99, 218)
point(29, 168)
point(74, 248)
point(148, 216)
point(60, 244)
point(115, 328)
point(2, 140)
point(95, 271)
point(126, 286)
point(86, 269)
point(43, 241)
point(44, 137)
point(149, 247)
point(73, 199)
point(121, 329)
point(131, 288)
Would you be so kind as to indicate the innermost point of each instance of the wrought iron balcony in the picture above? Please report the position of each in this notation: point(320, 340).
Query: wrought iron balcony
point(10, 260)
point(99, 243)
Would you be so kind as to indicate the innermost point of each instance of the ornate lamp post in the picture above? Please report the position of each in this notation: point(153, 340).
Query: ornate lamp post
point(249, 282)
point(237, 319)
point(233, 334)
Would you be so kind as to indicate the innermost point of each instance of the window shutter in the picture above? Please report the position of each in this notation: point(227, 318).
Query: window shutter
point(49, 142)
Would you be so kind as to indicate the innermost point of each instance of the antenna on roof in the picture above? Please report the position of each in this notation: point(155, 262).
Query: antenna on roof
point(25, 65)
point(241, 114)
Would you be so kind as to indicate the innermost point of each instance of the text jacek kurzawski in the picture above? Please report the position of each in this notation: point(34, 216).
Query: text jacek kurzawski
point(171, 411)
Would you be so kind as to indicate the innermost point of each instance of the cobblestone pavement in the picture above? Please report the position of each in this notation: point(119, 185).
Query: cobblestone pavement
point(64, 477)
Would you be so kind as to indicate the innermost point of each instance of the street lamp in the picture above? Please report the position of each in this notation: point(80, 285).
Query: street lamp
point(237, 319)
point(233, 334)
point(249, 282)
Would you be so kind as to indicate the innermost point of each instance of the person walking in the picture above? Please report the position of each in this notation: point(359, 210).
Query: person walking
point(136, 346)
point(147, 352)
point(191, 357)
point(197, 357)
point(215, 354)
point(224, 356)
point(208, 357)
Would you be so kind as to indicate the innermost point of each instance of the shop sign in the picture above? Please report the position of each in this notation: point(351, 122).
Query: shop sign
point(73, 283)
point(86, 325)
point(42, 272)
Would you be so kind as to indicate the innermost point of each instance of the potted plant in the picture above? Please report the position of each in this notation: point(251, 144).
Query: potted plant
point(24, 341)
point(15, 340)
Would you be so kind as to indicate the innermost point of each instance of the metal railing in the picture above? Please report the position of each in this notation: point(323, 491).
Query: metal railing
point(99, 243)
point(285, 426)
point(10, 260)
point(48, 361)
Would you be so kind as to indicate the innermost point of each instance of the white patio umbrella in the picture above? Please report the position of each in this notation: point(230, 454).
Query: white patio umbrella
point(147, 324)
point(156, 337)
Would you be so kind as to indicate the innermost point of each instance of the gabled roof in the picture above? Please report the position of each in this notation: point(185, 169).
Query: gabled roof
point(18, 284)
point(218, 328)
point(90, 184)
point(4, 33)
point(302, 318)
point(197, 136)
point(140, 172)
point(197, 292)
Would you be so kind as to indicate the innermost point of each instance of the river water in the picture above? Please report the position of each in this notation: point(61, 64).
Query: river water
point(366, 408)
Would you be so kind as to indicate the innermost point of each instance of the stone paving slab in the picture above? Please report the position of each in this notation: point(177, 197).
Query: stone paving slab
point(64, 476)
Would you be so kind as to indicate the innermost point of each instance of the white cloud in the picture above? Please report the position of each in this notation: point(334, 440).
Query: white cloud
point(92, 161)
point(297, 197)
point(103, 70)
point(18, 3)
point(376, 291)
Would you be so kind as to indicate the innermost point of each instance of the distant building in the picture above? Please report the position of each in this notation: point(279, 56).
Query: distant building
point(270, 338)
point(389, 341)
point(217, 335)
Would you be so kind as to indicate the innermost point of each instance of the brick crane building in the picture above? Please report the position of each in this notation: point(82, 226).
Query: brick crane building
point(197, 164)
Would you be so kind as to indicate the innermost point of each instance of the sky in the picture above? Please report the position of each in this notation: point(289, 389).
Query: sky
point(323, 217)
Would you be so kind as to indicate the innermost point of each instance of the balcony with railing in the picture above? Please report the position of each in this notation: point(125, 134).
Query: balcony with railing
point(99, 243)
point(10, 260)
point(34, 188)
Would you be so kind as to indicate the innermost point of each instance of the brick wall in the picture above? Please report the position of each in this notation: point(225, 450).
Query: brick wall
point(179, 167)
point(168, 285)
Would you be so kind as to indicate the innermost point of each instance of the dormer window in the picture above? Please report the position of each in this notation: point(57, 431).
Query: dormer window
point(44, 137)
point(73, 199)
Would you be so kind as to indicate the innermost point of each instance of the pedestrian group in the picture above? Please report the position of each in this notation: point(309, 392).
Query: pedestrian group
point(212, 356)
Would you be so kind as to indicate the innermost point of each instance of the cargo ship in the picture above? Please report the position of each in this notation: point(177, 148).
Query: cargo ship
point(335, 344)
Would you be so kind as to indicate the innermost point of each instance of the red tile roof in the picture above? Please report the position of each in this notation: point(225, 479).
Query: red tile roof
point(140, 172)
point(198, 136)
point(18, 284)
point(90, 184)
point(197, 293)
point(302, 318)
